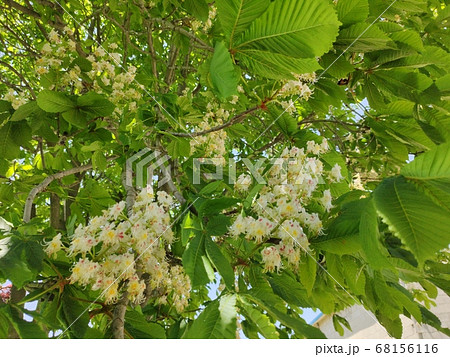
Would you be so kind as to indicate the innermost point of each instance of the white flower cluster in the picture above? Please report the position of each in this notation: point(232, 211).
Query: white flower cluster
point(197, 24)
point(297, 88)
point(281, 207)
point(116, 251)
point(214, 142)
point(59, 54)
point(16, 99)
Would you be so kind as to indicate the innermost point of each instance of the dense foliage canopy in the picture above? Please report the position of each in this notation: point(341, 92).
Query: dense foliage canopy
point(308, 165)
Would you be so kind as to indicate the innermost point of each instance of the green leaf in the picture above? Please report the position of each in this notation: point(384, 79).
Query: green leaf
point(218, 225)
point(297, 28)
point(75, 313)
point(189, 228)
point(95, 104)
point(413, 217)
point(193, 261)
point(393, 326)
point(223, 75)
point(211, 188)
point(261, 321)
point(214, 206)
point(375, 253)
point(354, 275)
point(342, 235)
point(288, 289)
point(283, 120)
point(363, 37)
point(94, 146)
point(434, 164)
point(4, 321)
point(179, 147)
point(409, 38)
point(339, 323)
point(5, 109)
point(76, 117)
point(20, 259)
point(99, 161)
point(24, 111)
point(401, 83)
point(431, 319)
point(139, 327)
point(24, 329)
point(443, 83)
point(337, 66)
point(220, 263)
point(12, 135)
point(400, 297)
point(352, 11)
point(307, 272)
point(218, 320)
point(402, 108)
point(430, 172)
point(198, 8)
point(84, 64)
point(274, 65)
point(236, 16)
point(54, 102)
point(296, 323)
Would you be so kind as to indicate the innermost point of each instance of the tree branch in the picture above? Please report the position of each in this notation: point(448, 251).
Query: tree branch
point(131, 194)
point(118, 321)
point(47, 181)
point(236, 119)
point(21, 77)
point(23, 9)
point(184, 32)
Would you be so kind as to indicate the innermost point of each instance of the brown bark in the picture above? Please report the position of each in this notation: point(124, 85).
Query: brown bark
point(56, 220)
point(118, 321)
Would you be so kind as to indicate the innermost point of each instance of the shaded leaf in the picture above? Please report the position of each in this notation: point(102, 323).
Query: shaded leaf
point(223, 75)
point(217, 320)
point(220, 263)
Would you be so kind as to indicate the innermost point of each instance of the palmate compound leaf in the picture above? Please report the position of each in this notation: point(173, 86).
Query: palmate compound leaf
point(296, 28)
point(217, 320)
point(413, 217)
